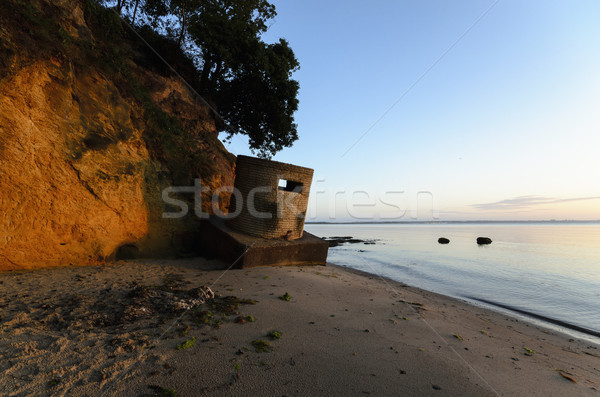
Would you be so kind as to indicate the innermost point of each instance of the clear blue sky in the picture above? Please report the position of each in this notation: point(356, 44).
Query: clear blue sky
point(504, 126)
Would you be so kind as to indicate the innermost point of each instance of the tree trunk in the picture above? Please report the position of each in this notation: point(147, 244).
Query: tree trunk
point(216, 75)
point(135, 11)
point(182, 26)
point(204, 77)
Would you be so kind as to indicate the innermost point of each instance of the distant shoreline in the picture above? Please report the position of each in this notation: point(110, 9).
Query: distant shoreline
point(553, 222)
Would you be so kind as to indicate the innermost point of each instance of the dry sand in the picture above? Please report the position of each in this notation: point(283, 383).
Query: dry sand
point(104, 330)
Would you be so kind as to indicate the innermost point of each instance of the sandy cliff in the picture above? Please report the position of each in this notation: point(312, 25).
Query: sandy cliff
point(82, 162)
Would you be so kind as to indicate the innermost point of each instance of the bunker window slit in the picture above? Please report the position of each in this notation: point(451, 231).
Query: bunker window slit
point(290, 186)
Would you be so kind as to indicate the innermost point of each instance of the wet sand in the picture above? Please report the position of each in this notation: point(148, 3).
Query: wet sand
point(138, 328)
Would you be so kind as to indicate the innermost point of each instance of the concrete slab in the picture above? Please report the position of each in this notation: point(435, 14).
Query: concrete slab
point(222, 242)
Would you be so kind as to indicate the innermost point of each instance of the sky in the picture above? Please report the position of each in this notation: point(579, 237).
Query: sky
point(445, 110)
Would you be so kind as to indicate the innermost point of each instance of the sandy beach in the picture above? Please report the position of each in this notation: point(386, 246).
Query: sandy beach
point(139, 328)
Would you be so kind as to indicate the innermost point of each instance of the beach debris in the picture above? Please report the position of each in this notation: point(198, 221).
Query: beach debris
point(591, 354)
point(457, 336)
point(484, 240)
point(483, 332)
point(285, 297)
point(229, 305)
point(244, 319)
point(443, 240)
point(436, 387)
point(416, 306)
point(204, 317)
point(274, 335)
point(567, 375)
point(145, 301)
point(411, 303)
point(240, 320)
point(187, 344)
point(185, 330)
point(528, 351)
point(220, 310)
point(261, 346)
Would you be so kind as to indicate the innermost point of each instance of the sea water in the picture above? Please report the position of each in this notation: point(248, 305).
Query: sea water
point(547, 272)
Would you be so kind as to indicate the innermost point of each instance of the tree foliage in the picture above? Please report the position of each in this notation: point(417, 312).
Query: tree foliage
point(250, 81)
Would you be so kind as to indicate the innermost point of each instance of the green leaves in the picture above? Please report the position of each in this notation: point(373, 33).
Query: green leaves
point(249, 82)
point(187, 344)
point(249, 79)
point(261, 98)
point(285, 297)
point(261, 346)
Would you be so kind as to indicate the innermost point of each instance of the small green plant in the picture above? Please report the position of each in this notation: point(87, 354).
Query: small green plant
point(237, 366)
point(528, 351)
point(261, 346)
point(274, 335)
point(53, 382)
point(285, 297)
point(249, 318)
point(187, 344)
point(163, 391)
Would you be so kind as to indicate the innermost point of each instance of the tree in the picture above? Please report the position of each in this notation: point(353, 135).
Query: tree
point(249, 81)
point(260, 99)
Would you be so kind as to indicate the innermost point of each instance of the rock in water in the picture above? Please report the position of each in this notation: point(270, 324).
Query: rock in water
point(443, 240)
point(484, 240)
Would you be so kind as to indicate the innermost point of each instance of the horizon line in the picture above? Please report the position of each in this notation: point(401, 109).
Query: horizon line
point(454, 221)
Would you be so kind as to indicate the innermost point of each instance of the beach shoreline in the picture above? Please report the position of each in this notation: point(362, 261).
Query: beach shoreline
point(343, 332)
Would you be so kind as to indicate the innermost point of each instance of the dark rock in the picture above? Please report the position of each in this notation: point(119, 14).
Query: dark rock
point(339, 240)
point(443, 240)
point(484, 240)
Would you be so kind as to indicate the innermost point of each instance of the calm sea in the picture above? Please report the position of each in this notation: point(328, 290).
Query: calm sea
point(546, 272)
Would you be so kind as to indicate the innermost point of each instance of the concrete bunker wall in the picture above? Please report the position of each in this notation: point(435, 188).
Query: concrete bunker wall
point(274, 198)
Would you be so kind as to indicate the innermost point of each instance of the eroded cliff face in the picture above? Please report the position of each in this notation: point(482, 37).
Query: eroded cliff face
point(79, 180)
